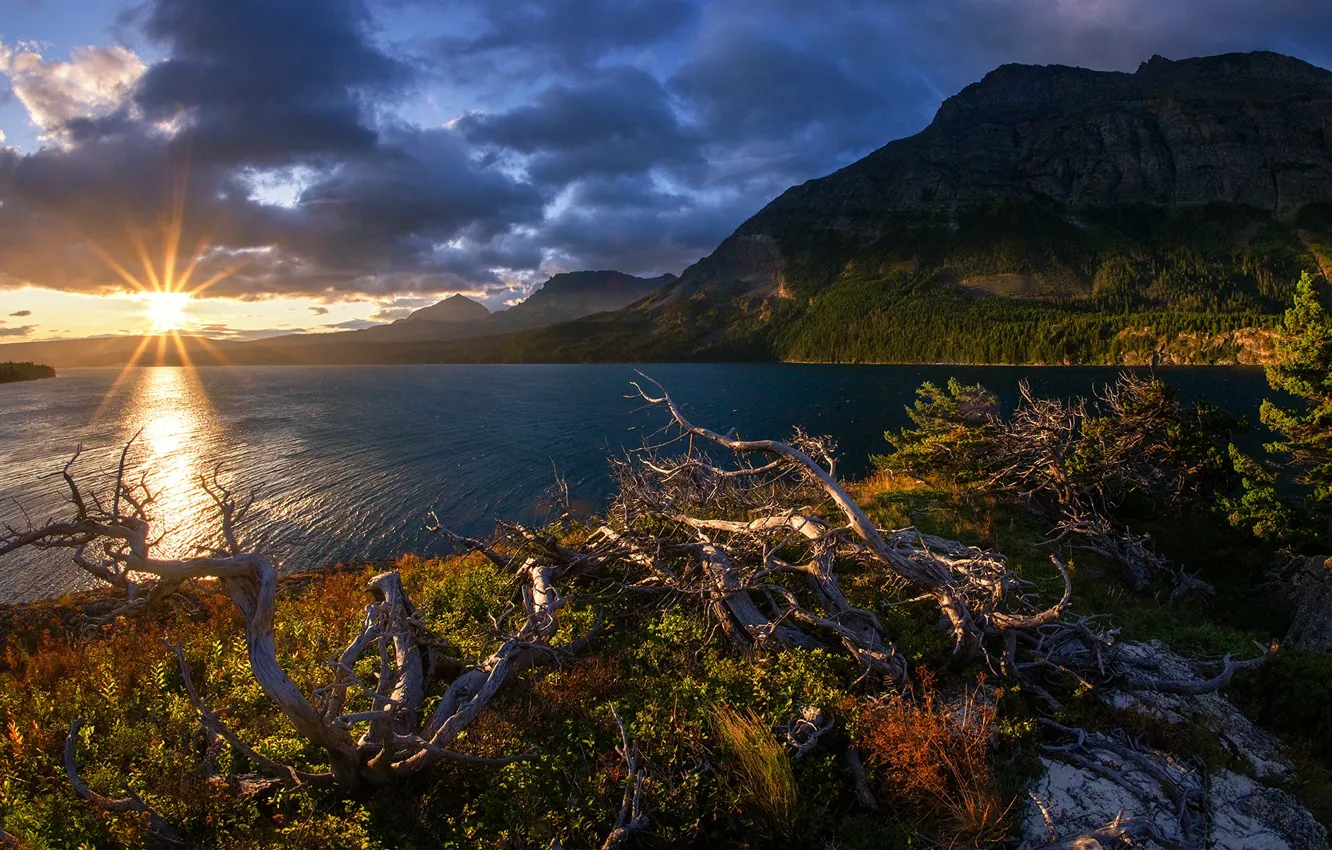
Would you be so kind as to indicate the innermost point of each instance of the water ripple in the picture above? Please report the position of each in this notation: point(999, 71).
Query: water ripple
point(345, 462)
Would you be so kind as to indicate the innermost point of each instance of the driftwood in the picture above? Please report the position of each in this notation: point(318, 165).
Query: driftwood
point(804, 731)
point(384, 736)
point(631, 818)
point(1125, 832)
point(1183, 789)
point(157, 828)
point(1041, 454)
point(973, 590)
point(781, 531)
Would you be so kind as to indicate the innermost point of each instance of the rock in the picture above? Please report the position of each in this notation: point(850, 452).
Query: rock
point(1250, 816)
point(1213, 712)
point(1071, 801)
point(1309, 584)
point(1105, 782)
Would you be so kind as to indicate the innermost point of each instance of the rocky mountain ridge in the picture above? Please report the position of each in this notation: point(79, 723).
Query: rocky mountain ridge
point(1249, 130)
point(563, 297)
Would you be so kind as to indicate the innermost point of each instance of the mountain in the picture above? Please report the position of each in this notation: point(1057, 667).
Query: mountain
point(169, 350)
point(426, 335)
point(1047, 214)
point(455, 308)
point(572, 295)
point(566, 296)
point(1034, 152)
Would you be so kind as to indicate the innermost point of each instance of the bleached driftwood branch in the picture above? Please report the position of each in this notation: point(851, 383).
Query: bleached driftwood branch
point(631, 818)
point(111, 538)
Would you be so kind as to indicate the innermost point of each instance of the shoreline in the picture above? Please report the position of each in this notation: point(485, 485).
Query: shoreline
point(642, 363)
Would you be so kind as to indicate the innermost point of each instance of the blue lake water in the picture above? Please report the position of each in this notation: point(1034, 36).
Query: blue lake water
point(346, 461)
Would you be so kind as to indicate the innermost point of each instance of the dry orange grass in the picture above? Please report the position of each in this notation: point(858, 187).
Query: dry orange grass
point(936, 759)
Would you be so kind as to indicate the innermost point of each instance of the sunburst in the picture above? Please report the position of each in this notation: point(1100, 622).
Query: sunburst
point(166, 285)
point(168, 311)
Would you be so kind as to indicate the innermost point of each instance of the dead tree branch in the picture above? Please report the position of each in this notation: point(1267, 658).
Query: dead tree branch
point(631, 818)
point(372, 743)
point(157, 827)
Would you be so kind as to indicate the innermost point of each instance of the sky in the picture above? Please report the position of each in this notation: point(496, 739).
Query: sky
point(318, 165)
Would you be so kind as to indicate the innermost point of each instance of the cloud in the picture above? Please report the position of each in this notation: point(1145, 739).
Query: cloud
point(266, 82)
point(399, 308)
point(619, 122)
point(750, 91)
point(621, 223)
point(392, 207)
point(263, 86)
point(95, 81)
point(21, 330)
point(523, 39)
point(565, 134)
point(22, 313)
point(225, 332)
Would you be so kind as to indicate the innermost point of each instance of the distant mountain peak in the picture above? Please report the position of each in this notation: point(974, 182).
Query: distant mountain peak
point(455, 308)
point(1045, 92)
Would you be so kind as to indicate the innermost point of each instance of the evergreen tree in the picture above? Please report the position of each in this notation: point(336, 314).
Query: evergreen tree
point(1304, 370)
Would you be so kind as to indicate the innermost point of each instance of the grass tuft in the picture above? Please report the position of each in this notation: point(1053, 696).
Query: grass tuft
point(762, 765)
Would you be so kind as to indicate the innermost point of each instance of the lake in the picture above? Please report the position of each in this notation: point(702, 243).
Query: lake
point(346, 461)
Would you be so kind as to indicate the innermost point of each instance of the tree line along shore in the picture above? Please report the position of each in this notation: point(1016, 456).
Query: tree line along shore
point(11, 372)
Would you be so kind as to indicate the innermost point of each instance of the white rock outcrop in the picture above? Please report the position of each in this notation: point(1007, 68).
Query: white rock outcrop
point(1107, 785)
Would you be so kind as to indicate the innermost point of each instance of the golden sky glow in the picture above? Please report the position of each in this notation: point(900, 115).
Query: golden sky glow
point(54, 314)
point(163, 291)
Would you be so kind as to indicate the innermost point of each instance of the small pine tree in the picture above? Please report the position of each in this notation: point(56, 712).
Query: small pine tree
point(1304, 370)
point(954, 427)
point(1260, 505)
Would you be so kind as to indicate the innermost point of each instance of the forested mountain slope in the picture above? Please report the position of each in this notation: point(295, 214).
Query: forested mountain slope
point(1046, 214)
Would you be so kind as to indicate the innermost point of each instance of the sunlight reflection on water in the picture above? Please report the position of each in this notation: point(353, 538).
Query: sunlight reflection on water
point(169, 410)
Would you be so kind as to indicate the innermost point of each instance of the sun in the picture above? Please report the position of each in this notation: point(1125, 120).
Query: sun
point(166, 310)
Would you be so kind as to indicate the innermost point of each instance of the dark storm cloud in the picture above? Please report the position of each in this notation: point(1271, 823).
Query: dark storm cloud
point(630, 134)
point(751, 89)
point(266, 81)
point(67, 216)
point(619, 122)
point(520, 37)
point(627, 223)
point(394, 205)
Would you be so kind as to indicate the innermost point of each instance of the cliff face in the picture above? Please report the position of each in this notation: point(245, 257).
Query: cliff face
point(1252, 130)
